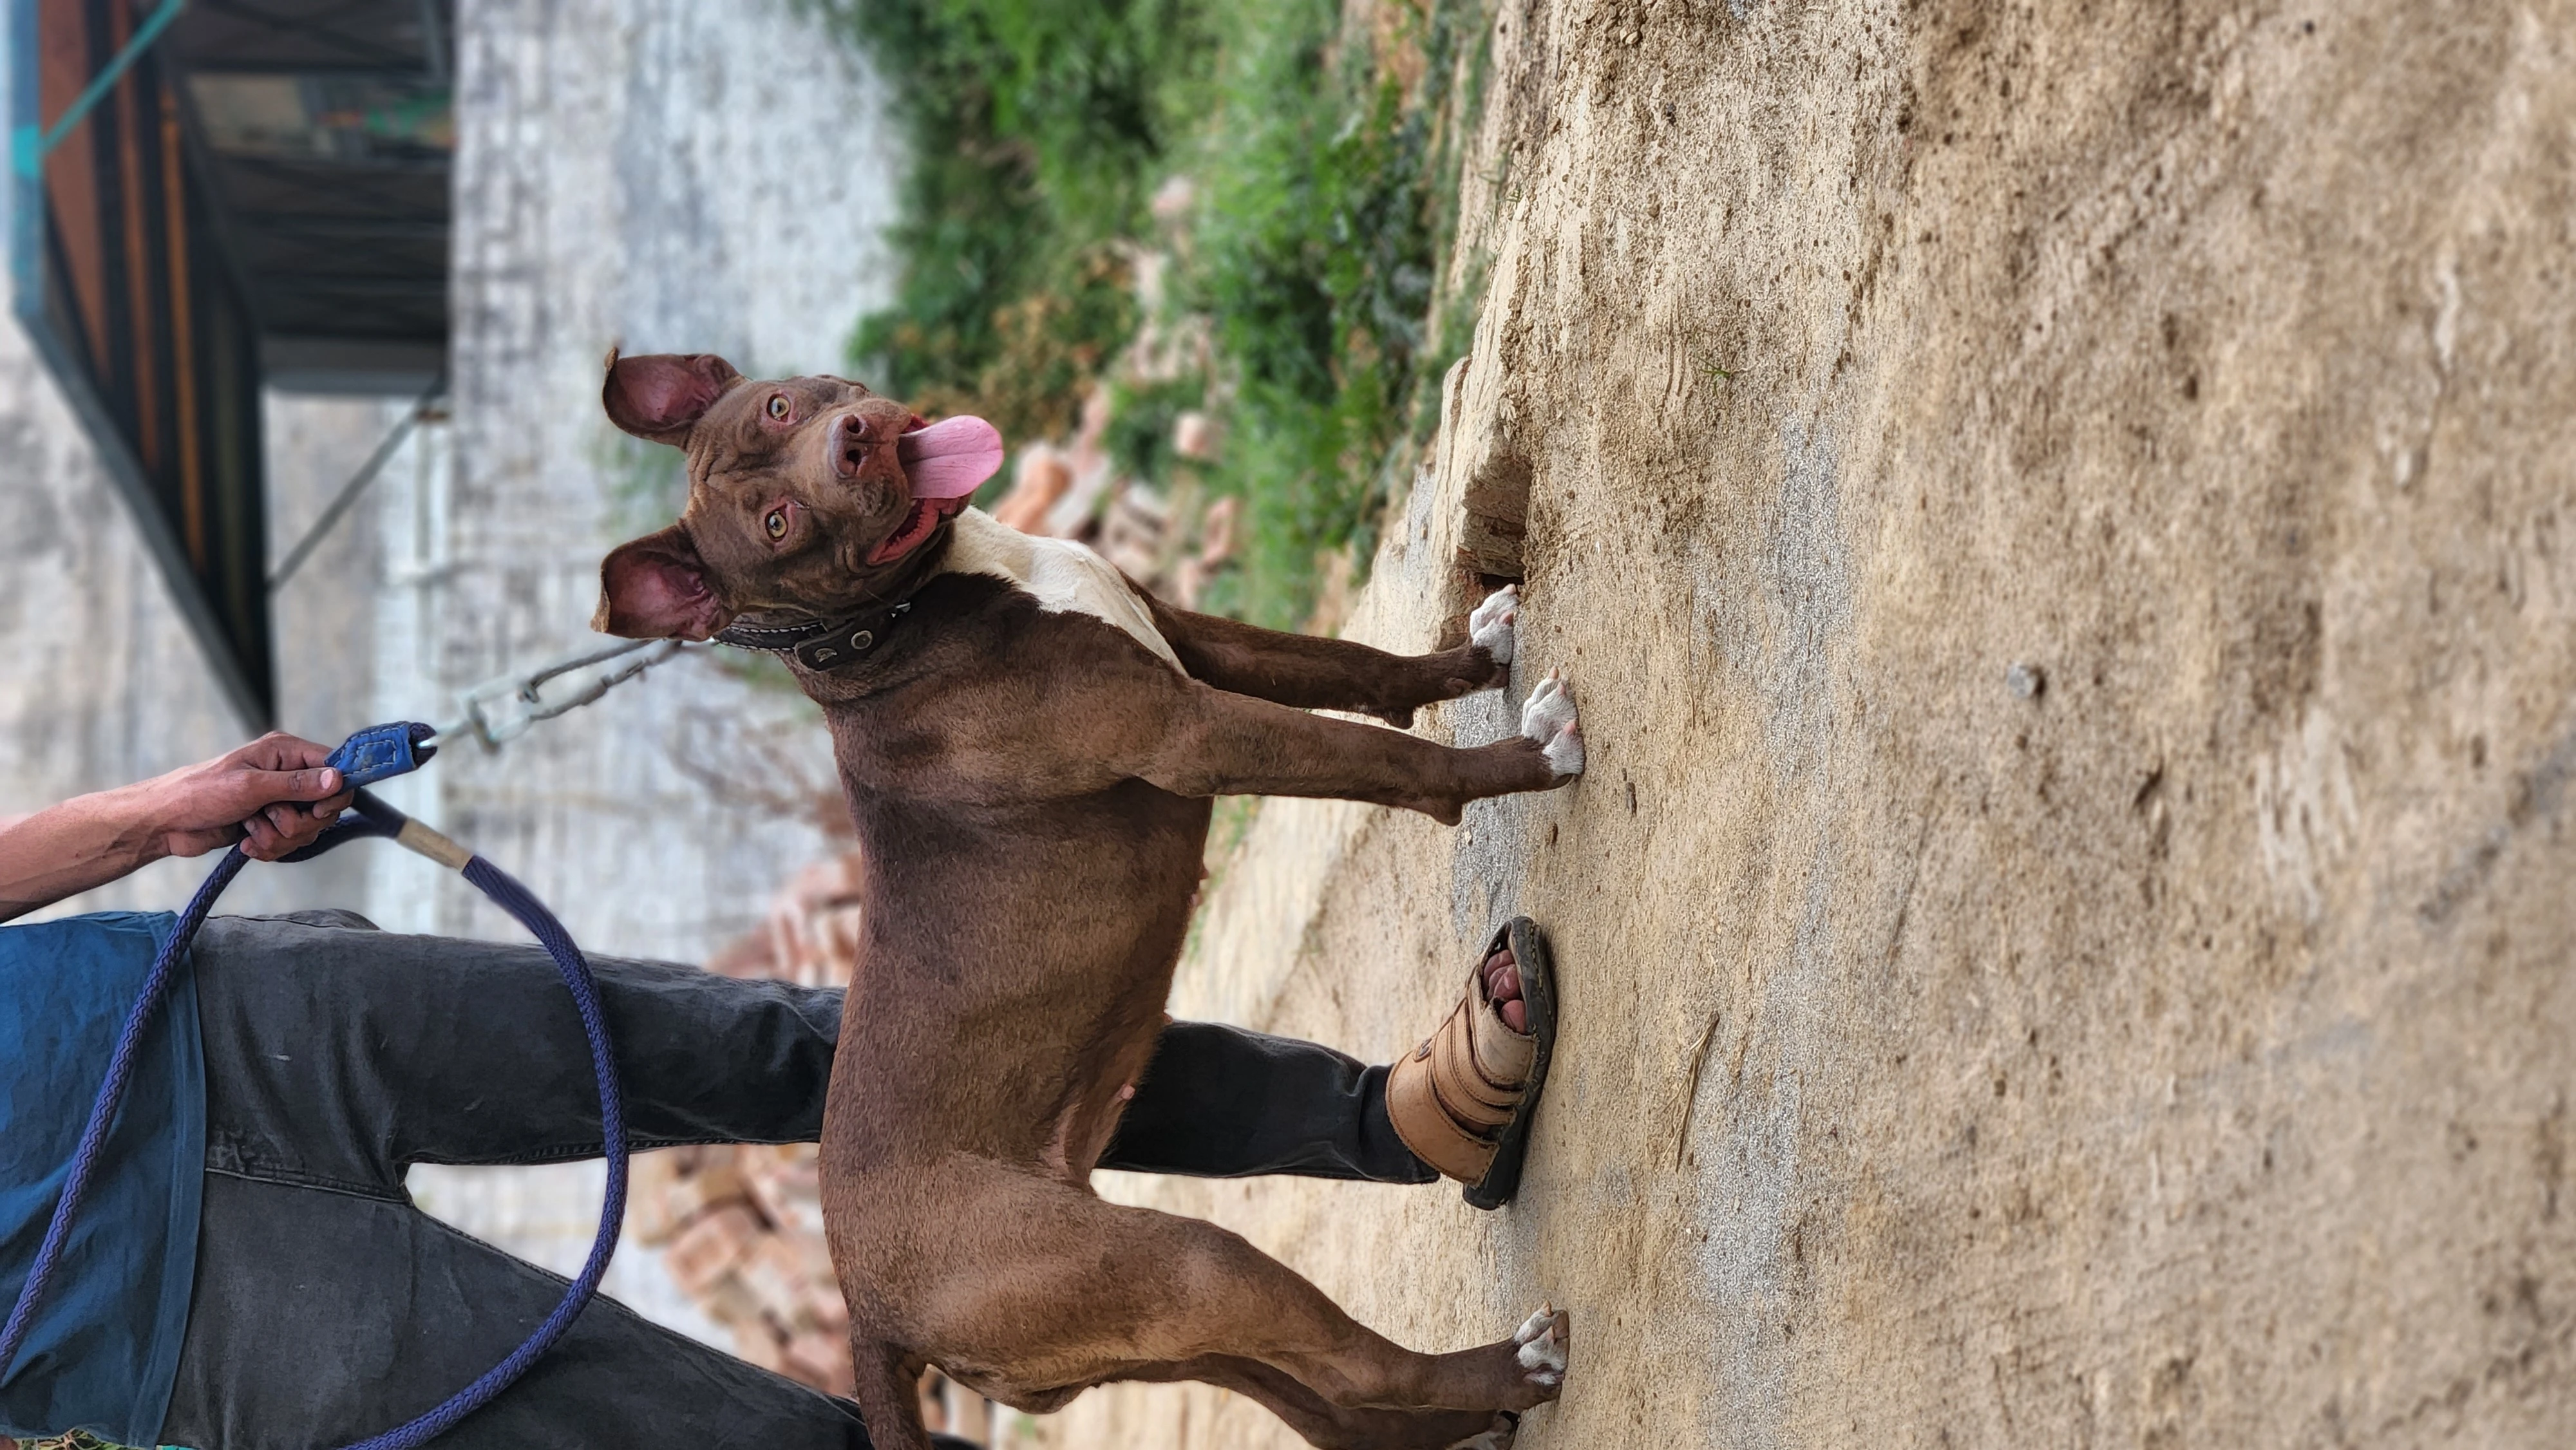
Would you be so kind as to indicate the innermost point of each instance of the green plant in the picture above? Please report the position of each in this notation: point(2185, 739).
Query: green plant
point(1330, 184)
point(1325, 164)
point(1141, 419)
point(1033, 128)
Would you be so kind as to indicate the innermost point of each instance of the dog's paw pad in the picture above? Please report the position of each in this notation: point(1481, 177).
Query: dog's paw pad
point(1542, 1358)
point(1497, 1436)
point(1548, 718)
point(1493, 624)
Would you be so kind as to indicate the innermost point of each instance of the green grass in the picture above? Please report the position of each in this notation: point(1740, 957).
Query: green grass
point(1034, 129)
point(1324, 167)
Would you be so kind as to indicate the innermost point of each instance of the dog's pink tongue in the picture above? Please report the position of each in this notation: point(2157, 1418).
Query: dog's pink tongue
point(950, 458)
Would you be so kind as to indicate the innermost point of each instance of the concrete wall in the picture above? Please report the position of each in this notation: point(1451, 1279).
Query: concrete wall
point(101, 681)
point(673, 176)
point(624, 173)
point(87, 629)
point(2059, 520)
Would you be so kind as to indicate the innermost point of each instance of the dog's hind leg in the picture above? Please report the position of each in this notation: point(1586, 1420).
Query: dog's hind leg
point(1332, 1427)
point(1043, 1286)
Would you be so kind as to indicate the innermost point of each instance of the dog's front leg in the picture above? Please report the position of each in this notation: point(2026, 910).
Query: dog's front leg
point(1207, 742)
point(1315, 673)
point(888, 1389)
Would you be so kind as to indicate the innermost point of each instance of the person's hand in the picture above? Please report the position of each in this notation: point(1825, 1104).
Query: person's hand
point(274, 796)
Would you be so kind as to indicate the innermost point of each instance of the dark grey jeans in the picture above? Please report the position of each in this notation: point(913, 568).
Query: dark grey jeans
point(327, 1307)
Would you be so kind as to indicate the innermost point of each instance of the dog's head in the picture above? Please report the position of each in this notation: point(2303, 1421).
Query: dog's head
point(808, 496)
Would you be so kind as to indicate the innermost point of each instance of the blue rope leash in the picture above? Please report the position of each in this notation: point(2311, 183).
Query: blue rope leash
point(377, 753)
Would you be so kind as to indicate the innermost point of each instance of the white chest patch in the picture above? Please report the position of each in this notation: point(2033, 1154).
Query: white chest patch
point(1065, 576)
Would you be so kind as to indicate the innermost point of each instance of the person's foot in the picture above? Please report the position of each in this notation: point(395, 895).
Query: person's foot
point(1462, 1100)
point(1503, 989)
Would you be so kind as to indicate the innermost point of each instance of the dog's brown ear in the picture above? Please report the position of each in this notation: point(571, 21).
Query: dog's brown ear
point(661, 396)
point(655, 587)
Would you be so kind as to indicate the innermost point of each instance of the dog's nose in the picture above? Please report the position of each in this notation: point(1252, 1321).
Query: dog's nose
point(850, 444)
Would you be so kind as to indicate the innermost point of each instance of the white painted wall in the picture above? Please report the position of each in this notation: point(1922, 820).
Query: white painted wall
point(672, 177)
point(669, 175)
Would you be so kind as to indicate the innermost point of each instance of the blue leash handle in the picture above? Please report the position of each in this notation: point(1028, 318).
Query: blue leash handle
point(373, 754)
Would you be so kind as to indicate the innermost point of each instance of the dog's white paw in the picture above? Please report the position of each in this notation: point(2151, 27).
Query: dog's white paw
point(1548, 718)
point(1542, 1356)
point(1533, 1325)
point(1495, 623)
point(1497, 1436)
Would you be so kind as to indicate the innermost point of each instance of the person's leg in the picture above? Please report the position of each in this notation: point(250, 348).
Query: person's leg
point(1223, 1102)
point(336, 1054)
point(324, 1316)
point(317, 1026)
point(327, 1307)
point(1227, 1102)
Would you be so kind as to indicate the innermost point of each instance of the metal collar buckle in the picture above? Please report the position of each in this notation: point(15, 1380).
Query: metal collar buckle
point(837, 649)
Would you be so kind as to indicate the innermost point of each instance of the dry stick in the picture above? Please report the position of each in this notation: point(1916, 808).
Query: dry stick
point(1690, 1099)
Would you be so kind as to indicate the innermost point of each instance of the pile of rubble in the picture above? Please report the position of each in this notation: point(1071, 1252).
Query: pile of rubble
point(1073, 490)
point(741, 1227)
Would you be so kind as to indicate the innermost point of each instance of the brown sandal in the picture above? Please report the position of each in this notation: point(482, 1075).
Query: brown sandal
point(1462, 1100)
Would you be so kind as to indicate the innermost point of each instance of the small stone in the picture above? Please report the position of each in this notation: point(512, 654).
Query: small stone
point(2027, 682)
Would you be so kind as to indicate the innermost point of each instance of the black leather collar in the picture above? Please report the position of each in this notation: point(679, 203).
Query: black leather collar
point(837, 643)
point(822, 644)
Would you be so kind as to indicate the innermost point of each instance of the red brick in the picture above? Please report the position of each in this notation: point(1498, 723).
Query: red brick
point(712, 1245)
point(821, 1360)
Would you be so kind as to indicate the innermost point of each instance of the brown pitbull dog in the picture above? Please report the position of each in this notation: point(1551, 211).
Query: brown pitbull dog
point(1029, 743)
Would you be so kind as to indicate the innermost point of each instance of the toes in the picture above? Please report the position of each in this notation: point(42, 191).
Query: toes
point(1546, 693)
point(1549, 718)
point(1543, 1359)
point(1535, 1325)
point(1545, 711)
point(1493, 624)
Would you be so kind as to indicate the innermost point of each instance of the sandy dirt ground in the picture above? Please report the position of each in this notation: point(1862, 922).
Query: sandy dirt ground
point(2058, 517)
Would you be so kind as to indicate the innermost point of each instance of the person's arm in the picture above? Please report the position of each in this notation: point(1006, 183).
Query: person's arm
point(274, 796)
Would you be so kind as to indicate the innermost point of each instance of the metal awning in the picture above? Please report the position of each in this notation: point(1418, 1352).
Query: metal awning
point(211, 195)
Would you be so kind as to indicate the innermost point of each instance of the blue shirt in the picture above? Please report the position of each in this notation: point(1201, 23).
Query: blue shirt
point(104, 1347)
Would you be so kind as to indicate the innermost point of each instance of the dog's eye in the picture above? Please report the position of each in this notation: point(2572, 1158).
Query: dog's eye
point(776, 523)
point(777, 409)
